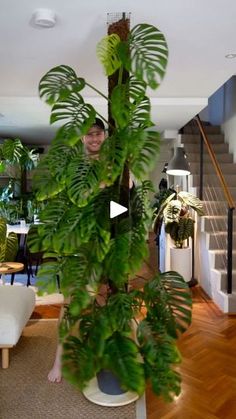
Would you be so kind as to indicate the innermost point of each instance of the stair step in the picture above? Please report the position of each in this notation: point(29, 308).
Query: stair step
point(215, 208)
point(219, 240)
point(223, 273)
point(220, 257)
point(221, 157)
point(209, 168)
point(196, 138)
point(209, 129)
point(213, 180)
point(214, 223)
point(218, 148)
point(215, 193)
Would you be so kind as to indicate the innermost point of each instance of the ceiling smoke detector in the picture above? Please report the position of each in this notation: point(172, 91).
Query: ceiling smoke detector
point(43, 18)
point(231, 55)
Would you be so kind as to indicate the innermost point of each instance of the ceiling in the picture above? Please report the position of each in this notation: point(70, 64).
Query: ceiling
point(199, 34)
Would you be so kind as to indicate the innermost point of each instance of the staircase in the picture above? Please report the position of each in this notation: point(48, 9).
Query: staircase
point(212, 232)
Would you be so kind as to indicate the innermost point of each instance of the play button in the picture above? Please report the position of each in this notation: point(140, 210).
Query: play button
point(116, 209)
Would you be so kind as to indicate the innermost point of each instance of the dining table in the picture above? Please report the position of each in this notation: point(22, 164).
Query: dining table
point(18, 228)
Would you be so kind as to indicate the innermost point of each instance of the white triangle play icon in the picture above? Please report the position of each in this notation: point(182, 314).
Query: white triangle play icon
point(116, 209)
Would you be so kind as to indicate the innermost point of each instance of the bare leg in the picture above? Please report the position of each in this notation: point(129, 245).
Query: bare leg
point(54, 375)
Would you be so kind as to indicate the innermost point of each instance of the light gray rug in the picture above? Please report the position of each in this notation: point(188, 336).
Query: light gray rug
point(25, 392)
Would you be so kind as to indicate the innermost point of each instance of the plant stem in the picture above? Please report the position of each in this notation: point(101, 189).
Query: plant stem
point(96, 90)
point(120, 75)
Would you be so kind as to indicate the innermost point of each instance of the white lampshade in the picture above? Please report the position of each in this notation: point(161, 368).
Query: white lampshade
point(178, 165)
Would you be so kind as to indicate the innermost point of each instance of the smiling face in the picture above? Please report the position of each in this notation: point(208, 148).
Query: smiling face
point(93, 140)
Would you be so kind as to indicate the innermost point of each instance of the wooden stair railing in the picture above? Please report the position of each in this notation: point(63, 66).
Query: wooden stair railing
point(227, 194)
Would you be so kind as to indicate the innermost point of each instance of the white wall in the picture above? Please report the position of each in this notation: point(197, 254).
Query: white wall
point(229, 123)
point(221, 110)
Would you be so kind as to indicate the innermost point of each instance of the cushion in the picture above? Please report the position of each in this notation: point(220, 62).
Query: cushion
point(16, 307)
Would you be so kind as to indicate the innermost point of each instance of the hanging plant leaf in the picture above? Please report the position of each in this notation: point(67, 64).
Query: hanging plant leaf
point(107, 53)
point(149, 54)
point(58, 83)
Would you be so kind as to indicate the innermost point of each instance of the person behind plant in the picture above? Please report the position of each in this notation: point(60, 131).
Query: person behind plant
point(92, 144)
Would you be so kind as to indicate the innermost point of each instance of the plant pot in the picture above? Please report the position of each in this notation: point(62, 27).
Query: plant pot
point(181, 261)
point(108, 383)
point(94, 394)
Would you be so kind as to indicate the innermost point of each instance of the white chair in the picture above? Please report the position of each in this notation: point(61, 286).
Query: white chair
point(16, 306)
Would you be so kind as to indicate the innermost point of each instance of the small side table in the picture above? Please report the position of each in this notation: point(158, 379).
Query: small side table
point(10, 268)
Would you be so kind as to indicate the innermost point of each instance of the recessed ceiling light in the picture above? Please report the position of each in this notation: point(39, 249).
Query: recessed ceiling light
point(230, 56)
point(43, 18)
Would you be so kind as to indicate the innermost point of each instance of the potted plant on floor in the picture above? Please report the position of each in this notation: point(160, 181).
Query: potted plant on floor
point(95, 256)
point(16, 160)
point(176, 210)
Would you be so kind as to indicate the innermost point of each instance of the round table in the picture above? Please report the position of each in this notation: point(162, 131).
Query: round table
point(10, 268)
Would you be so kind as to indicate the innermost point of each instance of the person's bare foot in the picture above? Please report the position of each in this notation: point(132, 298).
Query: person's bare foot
point(54, 375)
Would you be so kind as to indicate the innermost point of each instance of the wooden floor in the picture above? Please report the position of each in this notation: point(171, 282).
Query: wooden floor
point(208, 367)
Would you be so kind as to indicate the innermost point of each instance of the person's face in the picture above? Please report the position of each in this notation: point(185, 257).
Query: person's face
point(94, 139)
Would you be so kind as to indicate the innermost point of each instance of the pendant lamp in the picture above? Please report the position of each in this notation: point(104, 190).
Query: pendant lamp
point(178, 165)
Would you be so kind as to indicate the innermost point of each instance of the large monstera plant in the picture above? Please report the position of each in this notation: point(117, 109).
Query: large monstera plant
point(90, 252)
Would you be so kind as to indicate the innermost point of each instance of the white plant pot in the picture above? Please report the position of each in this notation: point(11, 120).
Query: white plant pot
point(181, 261)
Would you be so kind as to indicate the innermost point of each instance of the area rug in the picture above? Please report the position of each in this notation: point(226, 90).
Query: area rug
point(25, 392)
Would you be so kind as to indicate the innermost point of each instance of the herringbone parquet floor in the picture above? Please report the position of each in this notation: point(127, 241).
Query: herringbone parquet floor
point(208, 367)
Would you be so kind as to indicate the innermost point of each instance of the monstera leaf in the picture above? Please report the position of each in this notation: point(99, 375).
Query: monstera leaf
point(78, 115)
point(12, 150)
point(8, 245)
point(58, 83)
point(108, 54)
point(149, 54)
